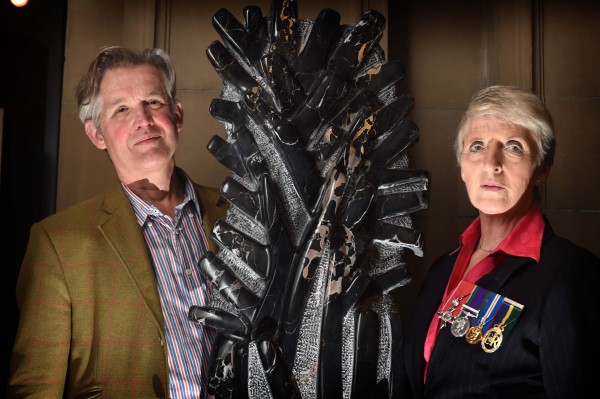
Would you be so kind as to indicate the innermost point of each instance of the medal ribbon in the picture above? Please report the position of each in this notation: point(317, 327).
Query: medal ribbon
point(512, 314)
point(478, 300)
point(478, 296)
point(490, 308)
point(503, 314)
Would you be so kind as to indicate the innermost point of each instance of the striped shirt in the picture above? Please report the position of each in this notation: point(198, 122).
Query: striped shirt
point(176, 245)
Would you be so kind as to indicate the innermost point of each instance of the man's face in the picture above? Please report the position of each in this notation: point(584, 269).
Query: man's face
point(137, 127)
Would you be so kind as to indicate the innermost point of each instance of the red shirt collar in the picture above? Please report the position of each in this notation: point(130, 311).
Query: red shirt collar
point(524, 240)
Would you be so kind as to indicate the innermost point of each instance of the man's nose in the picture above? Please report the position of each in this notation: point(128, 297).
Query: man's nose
point(143, 115)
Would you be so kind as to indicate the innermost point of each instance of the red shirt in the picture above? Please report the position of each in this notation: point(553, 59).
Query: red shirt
point(524, 240)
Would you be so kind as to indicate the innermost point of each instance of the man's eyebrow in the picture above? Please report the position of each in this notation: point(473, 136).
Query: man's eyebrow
point(157, 92)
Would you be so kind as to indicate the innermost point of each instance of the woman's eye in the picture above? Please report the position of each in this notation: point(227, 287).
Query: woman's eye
point(515, 148)
point(476, 147)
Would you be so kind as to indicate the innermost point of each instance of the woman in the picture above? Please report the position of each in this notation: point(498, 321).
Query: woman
point(513, 311)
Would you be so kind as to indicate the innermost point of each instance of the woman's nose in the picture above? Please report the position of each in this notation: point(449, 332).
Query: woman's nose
point(493, 158)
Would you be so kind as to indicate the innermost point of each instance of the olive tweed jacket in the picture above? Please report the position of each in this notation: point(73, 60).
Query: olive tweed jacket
point(91, 323)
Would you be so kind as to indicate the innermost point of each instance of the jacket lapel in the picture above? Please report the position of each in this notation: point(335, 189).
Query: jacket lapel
point(122, 231)
point(498, 278)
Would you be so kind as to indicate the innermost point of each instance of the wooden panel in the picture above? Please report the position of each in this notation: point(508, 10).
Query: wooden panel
point(509, 48)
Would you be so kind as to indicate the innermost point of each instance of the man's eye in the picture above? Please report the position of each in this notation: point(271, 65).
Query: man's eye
point(156, 102)
point(120, 109)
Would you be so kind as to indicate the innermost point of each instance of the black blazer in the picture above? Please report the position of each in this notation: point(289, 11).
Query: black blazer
point(552, 351)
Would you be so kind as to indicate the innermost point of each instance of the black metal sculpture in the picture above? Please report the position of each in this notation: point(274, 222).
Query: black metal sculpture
point(320, 198)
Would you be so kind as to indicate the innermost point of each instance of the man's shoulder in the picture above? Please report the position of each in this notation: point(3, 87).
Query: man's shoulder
point(84, 212)
point(211, 202)
point(210, 193)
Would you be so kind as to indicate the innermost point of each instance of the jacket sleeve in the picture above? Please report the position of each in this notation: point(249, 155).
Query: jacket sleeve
point(41, 348)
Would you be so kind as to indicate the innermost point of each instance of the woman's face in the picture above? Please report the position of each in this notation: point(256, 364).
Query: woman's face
point(498, 166)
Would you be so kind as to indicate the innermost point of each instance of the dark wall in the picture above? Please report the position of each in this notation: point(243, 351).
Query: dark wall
point(31, 47)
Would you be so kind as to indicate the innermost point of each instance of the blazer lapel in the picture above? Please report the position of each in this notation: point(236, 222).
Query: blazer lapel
point(122, 231)
point(496, 279)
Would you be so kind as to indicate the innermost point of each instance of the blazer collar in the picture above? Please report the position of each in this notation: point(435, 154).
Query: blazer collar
point(496, 279)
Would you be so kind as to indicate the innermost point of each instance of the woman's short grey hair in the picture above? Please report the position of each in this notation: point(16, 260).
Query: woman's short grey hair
point(515, 106)
point(87, 92)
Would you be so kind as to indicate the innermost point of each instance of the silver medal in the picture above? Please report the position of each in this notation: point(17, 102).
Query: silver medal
point(460, 326)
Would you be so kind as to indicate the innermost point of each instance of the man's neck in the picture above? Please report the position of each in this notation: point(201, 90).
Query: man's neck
point(165, 194)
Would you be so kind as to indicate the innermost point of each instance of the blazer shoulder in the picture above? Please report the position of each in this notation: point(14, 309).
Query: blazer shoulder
point(562, 251)
point(211, 202)
point(94, 210)
point(74, 214)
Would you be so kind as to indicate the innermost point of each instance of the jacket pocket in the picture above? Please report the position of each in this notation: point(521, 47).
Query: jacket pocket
point(94, 392)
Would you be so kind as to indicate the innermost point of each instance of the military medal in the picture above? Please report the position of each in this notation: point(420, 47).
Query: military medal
point(473, 335)
point(486, 318)
point(492, 339)
point(461, 324)
point(446, 315)
point(509, 312)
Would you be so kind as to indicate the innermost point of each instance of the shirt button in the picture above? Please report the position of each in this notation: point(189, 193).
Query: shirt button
point(149, 224)
point(188, 271)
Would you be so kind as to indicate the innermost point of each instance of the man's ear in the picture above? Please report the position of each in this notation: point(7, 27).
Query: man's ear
point(94, 135)
point(178, 116)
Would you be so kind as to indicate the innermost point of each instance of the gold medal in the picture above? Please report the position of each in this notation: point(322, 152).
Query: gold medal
point(492, 339)
point(473, 335)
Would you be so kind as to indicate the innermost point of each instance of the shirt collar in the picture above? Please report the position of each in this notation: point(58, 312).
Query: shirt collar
point(143, 210)
point(524, 240)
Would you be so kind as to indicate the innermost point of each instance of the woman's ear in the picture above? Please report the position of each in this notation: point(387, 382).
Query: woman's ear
point(541, 175)
point(94, 135)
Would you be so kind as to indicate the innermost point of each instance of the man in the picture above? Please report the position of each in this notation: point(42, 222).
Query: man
point(105, 286)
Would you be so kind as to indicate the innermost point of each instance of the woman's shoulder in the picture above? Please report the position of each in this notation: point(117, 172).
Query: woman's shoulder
point(561, 249)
